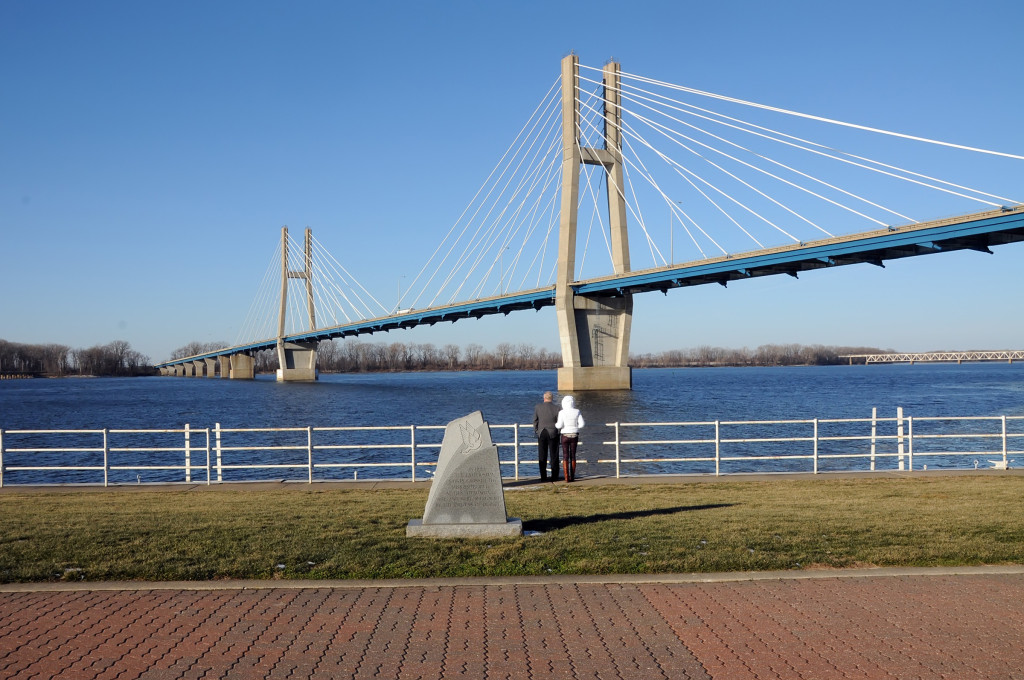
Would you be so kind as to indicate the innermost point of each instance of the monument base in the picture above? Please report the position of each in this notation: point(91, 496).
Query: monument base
point(512, 528)
point(580, 378)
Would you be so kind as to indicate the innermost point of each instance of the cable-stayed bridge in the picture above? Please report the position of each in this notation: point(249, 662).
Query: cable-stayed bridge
point(608, 156)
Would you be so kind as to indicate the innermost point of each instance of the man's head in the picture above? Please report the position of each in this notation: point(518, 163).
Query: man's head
point(547, 396)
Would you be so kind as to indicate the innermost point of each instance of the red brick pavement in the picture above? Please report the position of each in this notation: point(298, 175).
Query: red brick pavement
point(922, 625)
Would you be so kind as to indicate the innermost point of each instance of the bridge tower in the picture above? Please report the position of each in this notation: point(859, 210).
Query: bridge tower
point(594, 330)
point(297, 361)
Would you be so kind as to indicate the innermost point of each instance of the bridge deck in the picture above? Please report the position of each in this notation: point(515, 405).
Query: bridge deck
point(976, 231)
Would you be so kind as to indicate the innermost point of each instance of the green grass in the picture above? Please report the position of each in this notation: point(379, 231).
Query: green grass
point(336, 533)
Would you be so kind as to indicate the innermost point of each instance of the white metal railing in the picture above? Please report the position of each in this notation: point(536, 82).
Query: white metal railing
point(906, 443)
point(218, 454)
point(232, 449)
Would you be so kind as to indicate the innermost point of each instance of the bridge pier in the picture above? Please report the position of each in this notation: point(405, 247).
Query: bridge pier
point(598, 344)
point(593, 331)
point(211, 367)
point(297, 361)
point(241, 366)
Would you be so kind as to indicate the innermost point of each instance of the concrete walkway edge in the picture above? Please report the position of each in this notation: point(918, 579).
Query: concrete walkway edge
point(559, 579)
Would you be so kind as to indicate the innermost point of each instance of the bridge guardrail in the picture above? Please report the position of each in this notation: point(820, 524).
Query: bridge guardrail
point(714, 447)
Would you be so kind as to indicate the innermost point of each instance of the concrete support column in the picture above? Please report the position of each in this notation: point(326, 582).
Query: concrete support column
point(211, 367)
point(223, 366)
point(242, 367)
point(197, 368)
point(297, 361)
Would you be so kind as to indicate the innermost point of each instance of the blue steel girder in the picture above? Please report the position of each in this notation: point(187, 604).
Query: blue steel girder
point(977, 231)
point(972, 232)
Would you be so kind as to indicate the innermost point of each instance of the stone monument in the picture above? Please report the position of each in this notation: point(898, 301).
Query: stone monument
point(466, 498)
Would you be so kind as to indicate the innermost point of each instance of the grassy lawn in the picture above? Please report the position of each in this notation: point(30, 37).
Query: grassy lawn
point(311, 532)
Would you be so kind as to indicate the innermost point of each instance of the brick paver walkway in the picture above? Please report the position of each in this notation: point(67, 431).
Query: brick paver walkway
point(922, 625)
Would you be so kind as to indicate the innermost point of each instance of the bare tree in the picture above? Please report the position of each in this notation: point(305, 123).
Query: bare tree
point(473, 353)
point(526, 352)
point(395, 355)
point(427, 355)
point(450, 353)
point(503, 353)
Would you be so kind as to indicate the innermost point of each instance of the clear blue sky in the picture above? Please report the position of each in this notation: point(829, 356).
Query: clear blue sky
point(150, 152)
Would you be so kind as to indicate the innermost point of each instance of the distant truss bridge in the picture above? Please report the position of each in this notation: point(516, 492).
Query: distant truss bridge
point(1007, 355)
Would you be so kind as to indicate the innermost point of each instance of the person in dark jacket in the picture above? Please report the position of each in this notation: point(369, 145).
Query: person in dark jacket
point(544, 416)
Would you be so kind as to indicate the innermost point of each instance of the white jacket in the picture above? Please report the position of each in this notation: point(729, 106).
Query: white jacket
point(570, 420)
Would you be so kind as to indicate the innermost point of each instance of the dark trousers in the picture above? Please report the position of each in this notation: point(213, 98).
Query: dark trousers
point(569, 457)
point(547, 449)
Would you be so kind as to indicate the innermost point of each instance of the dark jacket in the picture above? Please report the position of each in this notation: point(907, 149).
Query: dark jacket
point(544, 416)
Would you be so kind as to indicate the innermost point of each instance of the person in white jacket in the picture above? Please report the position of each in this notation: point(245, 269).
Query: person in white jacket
point(569, 423)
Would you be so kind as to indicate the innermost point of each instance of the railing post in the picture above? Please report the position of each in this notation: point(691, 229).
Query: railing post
point(220, 469)
point(1003, 418)
point(207, 430)
point(106, 458)
point(412, 444)
point(188, 455)
point(718, 450)
point(618, 454)
point(910, 442)
point(515, 430)
point(899, 436)
point(309, 451)
point(874, 432)
point(815, 446)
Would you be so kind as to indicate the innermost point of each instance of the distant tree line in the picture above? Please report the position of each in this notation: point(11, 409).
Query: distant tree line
point(115, 358)
point(355, 356)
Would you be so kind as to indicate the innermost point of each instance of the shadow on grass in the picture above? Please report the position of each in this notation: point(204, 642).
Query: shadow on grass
point(555, 523)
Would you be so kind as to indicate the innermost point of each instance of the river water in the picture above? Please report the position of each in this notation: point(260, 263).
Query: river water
point(505, 397)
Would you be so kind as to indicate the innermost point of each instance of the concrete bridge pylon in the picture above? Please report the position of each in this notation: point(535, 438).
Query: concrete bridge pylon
point(593, 330)
point(296, 361)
